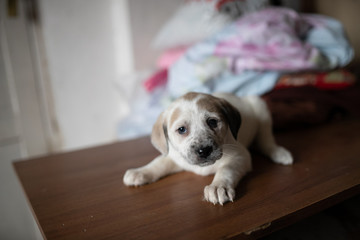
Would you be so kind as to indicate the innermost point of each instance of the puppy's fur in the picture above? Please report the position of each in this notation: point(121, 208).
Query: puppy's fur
point(208, 134)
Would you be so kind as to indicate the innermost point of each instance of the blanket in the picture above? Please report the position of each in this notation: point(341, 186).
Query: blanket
point(248, 56)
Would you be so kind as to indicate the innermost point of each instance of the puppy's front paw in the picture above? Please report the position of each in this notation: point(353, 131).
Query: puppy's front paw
point(219, 194)
point(282, 155)
point(135, 177)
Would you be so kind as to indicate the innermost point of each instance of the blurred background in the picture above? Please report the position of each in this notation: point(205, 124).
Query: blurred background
point(80, 73)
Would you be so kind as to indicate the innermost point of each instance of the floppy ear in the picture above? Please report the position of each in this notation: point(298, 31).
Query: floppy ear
point(159, 135)
point(232, 116)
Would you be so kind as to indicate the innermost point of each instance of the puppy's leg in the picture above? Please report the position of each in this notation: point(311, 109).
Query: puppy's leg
point(156, 169)
point(222, 188)
point(267, 145)
point(265, 140)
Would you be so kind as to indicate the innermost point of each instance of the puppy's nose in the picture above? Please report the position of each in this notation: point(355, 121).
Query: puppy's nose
point(204, 152)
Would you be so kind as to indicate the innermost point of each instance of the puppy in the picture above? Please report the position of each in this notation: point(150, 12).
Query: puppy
point(209, 134)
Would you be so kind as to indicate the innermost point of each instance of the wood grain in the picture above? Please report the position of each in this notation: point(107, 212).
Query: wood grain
point(80, 195)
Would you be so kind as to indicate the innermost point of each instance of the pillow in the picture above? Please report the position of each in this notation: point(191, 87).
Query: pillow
point(192, 22)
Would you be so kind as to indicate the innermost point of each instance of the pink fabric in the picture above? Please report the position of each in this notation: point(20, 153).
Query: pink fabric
point(158, 79)
point(263, 40)
point(170, 56)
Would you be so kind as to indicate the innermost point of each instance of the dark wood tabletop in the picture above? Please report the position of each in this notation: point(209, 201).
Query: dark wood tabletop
point(80, 194)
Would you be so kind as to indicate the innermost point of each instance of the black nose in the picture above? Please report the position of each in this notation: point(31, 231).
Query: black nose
point(204, 152)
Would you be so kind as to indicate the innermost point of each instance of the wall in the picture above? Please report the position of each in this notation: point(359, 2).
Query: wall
point(147, 18)
point(88, 48)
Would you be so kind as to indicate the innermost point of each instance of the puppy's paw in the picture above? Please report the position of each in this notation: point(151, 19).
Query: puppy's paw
point(282, 156)
point(136, 177)
point(219, 194)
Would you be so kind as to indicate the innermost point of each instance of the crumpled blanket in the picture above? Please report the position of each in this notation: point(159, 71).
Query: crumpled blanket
point(248, 56)
point(271, 39)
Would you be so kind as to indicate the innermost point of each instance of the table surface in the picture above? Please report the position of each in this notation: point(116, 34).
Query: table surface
point(80, 195)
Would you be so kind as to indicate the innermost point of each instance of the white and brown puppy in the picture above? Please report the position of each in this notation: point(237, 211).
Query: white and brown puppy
point(208, 134)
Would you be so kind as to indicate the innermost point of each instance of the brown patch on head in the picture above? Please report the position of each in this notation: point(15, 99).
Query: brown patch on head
point(174, 116)
point(210, 104)
point(190, 96)
point(224, 109)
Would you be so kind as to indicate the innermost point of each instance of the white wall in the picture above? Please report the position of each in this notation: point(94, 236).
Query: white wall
point(88, 47)
point(147, 18)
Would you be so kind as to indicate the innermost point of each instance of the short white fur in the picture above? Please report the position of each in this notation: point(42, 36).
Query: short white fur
point(235, 160)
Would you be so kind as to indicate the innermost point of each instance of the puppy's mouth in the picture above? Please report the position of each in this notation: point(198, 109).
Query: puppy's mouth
point(204, 163)
point(206, 160)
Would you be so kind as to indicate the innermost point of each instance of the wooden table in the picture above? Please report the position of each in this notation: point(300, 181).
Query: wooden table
point(80, 195)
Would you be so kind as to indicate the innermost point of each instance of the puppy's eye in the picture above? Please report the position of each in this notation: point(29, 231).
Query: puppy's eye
point(182, 130)
point(213, 123)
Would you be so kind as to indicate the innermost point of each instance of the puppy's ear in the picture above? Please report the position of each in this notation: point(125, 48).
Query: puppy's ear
point(159, 135)
point(232, 116)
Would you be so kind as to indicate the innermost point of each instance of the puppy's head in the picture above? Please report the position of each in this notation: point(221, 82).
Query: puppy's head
point(196, 126)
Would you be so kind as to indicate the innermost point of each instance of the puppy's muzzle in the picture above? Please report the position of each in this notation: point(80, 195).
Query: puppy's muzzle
point(204, 155)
